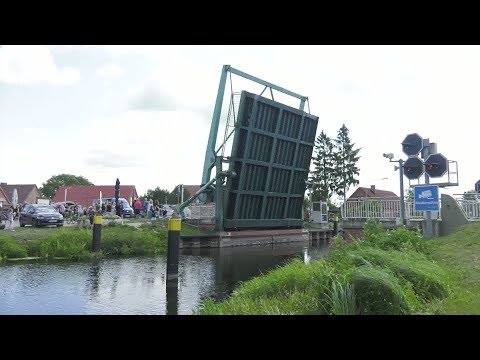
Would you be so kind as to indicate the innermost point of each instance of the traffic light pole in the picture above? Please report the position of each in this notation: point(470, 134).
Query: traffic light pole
point(428, 214)
point(403, 219)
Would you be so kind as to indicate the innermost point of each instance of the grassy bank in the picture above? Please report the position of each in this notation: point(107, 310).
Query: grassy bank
point(395, 272)
point(460, 252)
point(75, 243)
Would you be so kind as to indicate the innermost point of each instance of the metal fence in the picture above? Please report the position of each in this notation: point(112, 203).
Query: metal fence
point(380, 208)
point(471, 208)
point(199, 212)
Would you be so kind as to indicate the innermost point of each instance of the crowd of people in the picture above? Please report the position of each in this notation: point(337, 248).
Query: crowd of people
point(147, 209)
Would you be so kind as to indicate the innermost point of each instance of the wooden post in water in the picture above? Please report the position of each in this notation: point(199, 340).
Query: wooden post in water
point(174, 227)
point(97, 233)
point(172, 297)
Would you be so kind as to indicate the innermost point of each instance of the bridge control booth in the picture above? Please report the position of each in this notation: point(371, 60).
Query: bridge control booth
point(319, 213)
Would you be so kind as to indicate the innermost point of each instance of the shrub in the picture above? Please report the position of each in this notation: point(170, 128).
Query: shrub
point(429, 281)
point(124, 239)
point(341, 299)
point(9, 248)
point(378, 292)
point(73, 244)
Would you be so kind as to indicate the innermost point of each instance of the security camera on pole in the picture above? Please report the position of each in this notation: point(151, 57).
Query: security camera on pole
point(390, 156)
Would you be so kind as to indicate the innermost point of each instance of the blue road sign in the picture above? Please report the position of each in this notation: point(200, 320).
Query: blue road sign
point(426, 198)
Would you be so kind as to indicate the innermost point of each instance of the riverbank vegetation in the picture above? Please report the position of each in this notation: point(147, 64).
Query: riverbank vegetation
point(394, 272)
point(75, 242)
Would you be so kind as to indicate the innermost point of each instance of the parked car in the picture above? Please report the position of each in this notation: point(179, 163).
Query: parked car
point(127, 209)
point(38, 215)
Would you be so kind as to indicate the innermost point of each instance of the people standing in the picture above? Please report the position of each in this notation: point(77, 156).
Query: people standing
point(91, 214)
point(61, 210)
point(10, 224)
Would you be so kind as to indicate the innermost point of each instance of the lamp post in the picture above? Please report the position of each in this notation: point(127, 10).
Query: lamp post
point(66, 190)
point(400, 162)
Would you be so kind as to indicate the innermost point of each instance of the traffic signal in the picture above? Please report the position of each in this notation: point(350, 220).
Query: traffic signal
point(436, 165)
point(412, 144)
point(477, 186)
point(413, 168)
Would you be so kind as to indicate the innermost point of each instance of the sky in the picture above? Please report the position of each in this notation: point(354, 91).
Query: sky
point(143, 113)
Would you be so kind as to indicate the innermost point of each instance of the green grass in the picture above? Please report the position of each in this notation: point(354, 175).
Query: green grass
point(9, 248)
point(24, 234)
point(292, 289)
point(385, 273)
point(186, 229)
point(75, 243)
point(460, 252)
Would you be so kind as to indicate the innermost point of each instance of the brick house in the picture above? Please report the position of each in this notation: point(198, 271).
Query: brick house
point(26, 193)
point(372, 192)
point(85, 194)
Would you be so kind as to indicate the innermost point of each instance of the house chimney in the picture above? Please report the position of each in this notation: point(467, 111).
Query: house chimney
point(372, 187)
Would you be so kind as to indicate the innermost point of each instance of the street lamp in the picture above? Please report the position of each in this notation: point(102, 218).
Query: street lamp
point(390, 157)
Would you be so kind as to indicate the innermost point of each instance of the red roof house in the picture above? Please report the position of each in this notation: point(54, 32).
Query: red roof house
point(85, 194)
point(372, 192)
point(191, 189)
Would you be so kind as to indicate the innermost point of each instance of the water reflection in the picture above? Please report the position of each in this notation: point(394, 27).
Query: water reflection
point(138, 285)
point(172, 297)
point(93, 278)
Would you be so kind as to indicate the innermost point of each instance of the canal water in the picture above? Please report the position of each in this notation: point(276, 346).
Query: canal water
point(137, 285)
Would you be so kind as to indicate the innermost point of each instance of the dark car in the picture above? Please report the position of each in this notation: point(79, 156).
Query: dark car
point(38, 215)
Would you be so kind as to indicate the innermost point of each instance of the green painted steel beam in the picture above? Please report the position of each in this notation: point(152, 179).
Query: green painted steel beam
point(265, 164)
point(270, 85)
point(302, 122)
point(247, 148)
point(265, 193)
point(249, 223)
point(210, 154)
point(278, 136)
point(270, 167)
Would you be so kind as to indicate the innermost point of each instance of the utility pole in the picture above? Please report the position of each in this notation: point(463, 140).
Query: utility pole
point(403, 219)
point(428, 214)
point(390, 156)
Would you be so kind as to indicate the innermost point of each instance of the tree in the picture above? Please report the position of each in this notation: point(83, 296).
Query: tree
point(322, 176)
point(408, 195)
point(345, 160)
point(50, 187)
point(470, 195)
point(159, 195)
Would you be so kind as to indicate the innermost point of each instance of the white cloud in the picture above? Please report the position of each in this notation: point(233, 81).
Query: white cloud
point(146, 149)
point(32, 65)
point(110, 71)
point(151, 97)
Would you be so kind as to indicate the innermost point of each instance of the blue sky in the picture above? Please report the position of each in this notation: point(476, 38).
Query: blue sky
point(143, 113)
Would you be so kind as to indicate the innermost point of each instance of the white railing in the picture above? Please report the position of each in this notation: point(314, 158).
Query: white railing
point(471, 208)
point(380, 208)
point(371, 208)
point(410, 212)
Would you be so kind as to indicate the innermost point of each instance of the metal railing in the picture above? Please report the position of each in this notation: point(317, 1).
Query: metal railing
point(471, 208)
point(199, 212)
point(380, 208)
